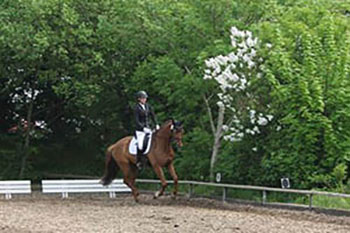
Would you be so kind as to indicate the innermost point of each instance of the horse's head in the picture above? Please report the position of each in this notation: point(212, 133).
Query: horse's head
point(177, 131)
point(172, 129)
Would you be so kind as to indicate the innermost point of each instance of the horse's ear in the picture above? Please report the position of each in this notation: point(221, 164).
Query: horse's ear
point(172, 120)
point(178, 123)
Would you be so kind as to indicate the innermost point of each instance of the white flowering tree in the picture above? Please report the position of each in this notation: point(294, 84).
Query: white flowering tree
point(239, 109)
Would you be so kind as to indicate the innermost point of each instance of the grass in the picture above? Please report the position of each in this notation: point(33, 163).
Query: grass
point(331, 202)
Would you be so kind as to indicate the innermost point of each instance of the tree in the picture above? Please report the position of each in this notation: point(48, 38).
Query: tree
point(45, 63)
point(308, 70)
point(236, 74)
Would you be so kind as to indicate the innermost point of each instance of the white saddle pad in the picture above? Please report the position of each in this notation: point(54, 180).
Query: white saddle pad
point(133, 146)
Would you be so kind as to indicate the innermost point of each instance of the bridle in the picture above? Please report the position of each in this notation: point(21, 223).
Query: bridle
point(176, 133)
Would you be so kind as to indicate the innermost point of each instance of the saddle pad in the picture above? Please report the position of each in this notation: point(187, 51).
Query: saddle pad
point(133, 145)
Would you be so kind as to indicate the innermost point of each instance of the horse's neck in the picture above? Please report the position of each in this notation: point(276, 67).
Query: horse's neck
point(165, 130)
point(163, 139)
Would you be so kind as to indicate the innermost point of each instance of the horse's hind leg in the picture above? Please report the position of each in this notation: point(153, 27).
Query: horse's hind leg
point(173, 174)
point(129, 179)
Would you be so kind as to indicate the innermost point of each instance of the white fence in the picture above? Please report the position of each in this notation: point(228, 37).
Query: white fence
point(117, 186)
point(83, 186)
point(264, 190)
point(10, 187)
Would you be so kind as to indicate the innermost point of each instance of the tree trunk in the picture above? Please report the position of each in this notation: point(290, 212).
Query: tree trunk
point(217, 141)
point(26, 144)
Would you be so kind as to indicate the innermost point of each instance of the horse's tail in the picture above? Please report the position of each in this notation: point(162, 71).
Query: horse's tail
point(111, 168)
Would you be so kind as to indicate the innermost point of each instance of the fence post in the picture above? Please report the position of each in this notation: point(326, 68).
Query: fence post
point(310, 201)
point(264, 197)
point(64, 194)
point(112, 195)
point(190, 191)
point(224, 194)
point(8, 196)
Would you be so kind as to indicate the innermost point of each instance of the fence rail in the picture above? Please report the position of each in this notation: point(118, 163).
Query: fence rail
point(93, 185)
point(10, 187)
point(83, 186)
point(264, 190)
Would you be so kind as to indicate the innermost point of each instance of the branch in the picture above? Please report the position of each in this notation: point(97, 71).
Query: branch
point(188, 70)
point(210, 114)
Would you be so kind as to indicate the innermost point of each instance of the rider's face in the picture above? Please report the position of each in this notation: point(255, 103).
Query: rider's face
point(143, 100)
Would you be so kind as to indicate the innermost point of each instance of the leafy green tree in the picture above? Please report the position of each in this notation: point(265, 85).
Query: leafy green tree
point(307, 69)
point(45, 62)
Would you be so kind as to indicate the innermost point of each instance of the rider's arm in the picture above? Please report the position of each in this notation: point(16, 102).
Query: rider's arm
point(139, 125)
point(153, 115)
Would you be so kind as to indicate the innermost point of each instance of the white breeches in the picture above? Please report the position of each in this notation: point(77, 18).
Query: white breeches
point(140, 135)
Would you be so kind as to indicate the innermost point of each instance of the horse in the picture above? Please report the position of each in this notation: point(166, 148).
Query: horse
point(161, 154)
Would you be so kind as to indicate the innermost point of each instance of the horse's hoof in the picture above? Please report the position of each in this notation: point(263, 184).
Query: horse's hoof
point(136, 197)
point(173, 196)
point(156, 195)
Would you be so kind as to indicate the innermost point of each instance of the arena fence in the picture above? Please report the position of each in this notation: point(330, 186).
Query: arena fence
point(65, 186)
point(10, 187)
point(83, 186)
point(264, 190)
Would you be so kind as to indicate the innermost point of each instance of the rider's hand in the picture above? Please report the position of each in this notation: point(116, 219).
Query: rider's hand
point(147, 130)
point(157, 127)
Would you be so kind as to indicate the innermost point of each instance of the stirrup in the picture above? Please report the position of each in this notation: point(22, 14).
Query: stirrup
point(139, 165)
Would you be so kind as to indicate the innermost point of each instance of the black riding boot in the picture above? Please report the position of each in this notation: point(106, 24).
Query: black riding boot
point(138, 159)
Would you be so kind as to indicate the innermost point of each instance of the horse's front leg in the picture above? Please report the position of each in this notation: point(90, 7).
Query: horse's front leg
point(173, 174)
point(159, 171)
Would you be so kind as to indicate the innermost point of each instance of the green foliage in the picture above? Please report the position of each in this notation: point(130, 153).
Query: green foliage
point(192, 163)
point(307, 70)
point(331, 202)
point(86, 59)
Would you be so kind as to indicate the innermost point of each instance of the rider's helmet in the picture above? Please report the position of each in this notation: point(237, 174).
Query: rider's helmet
point(141, 94)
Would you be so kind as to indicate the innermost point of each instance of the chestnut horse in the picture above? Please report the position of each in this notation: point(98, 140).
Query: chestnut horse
point(161, 154)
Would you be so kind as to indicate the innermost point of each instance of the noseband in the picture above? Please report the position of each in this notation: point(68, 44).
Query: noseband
point(176, 129)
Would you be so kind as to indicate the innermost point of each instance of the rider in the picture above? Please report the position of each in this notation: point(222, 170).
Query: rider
point(143, 112)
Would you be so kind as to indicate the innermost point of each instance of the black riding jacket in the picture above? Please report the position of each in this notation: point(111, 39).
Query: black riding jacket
point(142, 116)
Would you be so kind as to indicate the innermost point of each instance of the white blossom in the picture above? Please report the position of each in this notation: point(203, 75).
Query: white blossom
point(256, 129)
point(233, 73)
point(233, 42)
point(251, 64)
point(40, 124)
point(270, 117)
point(220, 104)
point(225, 127)
point(262, 121)
point(232, 57)
point(207, 77)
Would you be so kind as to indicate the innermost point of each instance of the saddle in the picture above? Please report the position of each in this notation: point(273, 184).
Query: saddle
point(146, 144)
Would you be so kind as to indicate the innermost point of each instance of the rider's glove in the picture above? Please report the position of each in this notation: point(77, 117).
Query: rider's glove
point(147, 130)
point(157, 127)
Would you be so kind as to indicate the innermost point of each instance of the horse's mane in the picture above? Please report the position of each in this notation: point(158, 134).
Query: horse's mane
point(163, 125)
point(167, 121)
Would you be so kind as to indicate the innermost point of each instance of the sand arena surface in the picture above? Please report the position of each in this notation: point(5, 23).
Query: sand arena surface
point(99, 213)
